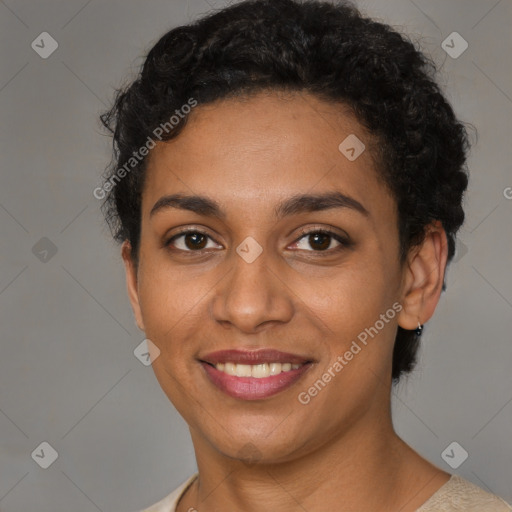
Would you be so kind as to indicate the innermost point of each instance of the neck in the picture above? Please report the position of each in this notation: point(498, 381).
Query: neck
point(363, 469)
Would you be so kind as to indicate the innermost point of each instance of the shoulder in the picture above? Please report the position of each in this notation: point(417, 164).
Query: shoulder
point(459, 494)
point(168, 504)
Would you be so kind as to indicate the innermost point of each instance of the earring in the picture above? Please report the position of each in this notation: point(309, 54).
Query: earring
point(419, 329)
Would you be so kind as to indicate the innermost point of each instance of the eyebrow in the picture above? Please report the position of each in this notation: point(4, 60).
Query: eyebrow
point(294, 205)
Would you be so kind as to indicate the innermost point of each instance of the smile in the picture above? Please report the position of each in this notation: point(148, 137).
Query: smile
point(258, 371)
point(253, 375)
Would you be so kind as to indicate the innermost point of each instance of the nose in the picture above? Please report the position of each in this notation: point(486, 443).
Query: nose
point(253, 296)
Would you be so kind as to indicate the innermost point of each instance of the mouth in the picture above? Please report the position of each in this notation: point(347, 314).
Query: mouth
point(254, 375)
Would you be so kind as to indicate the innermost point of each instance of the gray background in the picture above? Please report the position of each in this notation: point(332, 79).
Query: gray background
point(68, 373)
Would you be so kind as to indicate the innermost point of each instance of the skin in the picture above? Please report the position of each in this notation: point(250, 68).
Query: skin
point(249, 155)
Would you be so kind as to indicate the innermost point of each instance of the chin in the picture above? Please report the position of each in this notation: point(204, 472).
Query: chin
point(265, 445)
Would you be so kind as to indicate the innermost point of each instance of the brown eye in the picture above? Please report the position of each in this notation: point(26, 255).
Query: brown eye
point(195, 241)
point(321, 241)
point(190, 241)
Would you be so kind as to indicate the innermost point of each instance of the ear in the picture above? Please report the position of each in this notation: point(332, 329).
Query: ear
point(423, 278)
point(131, 282)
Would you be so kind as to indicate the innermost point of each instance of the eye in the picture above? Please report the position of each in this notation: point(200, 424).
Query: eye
point(321, 240)
point(191, 240)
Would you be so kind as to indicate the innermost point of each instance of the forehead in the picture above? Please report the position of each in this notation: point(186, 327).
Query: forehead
point(271, 145)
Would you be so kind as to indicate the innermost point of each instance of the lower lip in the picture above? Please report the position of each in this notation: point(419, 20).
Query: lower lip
point(250, 388)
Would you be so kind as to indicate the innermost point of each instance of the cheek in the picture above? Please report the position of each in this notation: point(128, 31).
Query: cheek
point(357, 322)
point(348, 299)
point(172, 310)
point(168, 302)
point(358, 328)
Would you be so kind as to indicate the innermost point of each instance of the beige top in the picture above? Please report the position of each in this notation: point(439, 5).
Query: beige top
point(456, 495)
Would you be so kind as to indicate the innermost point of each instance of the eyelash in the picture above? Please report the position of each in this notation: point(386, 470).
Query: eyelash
point(344, 242)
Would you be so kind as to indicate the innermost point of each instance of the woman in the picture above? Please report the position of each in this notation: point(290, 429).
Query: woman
point(287, 188)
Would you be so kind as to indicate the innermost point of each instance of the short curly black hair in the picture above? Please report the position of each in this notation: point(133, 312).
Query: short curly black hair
point(330, 50)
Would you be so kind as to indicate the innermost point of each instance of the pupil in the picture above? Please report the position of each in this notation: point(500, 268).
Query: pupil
point(324, 238)
point(196, 238)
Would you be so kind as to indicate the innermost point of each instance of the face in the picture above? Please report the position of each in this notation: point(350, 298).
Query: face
point(276, 279)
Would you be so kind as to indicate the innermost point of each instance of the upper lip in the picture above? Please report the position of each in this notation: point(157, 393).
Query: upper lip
point(260, 356)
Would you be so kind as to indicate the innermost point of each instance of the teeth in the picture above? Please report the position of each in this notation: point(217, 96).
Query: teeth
point(260, 370)
point(275, 368)
point(257, 370)
point(229, 368)
point(243, 370)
